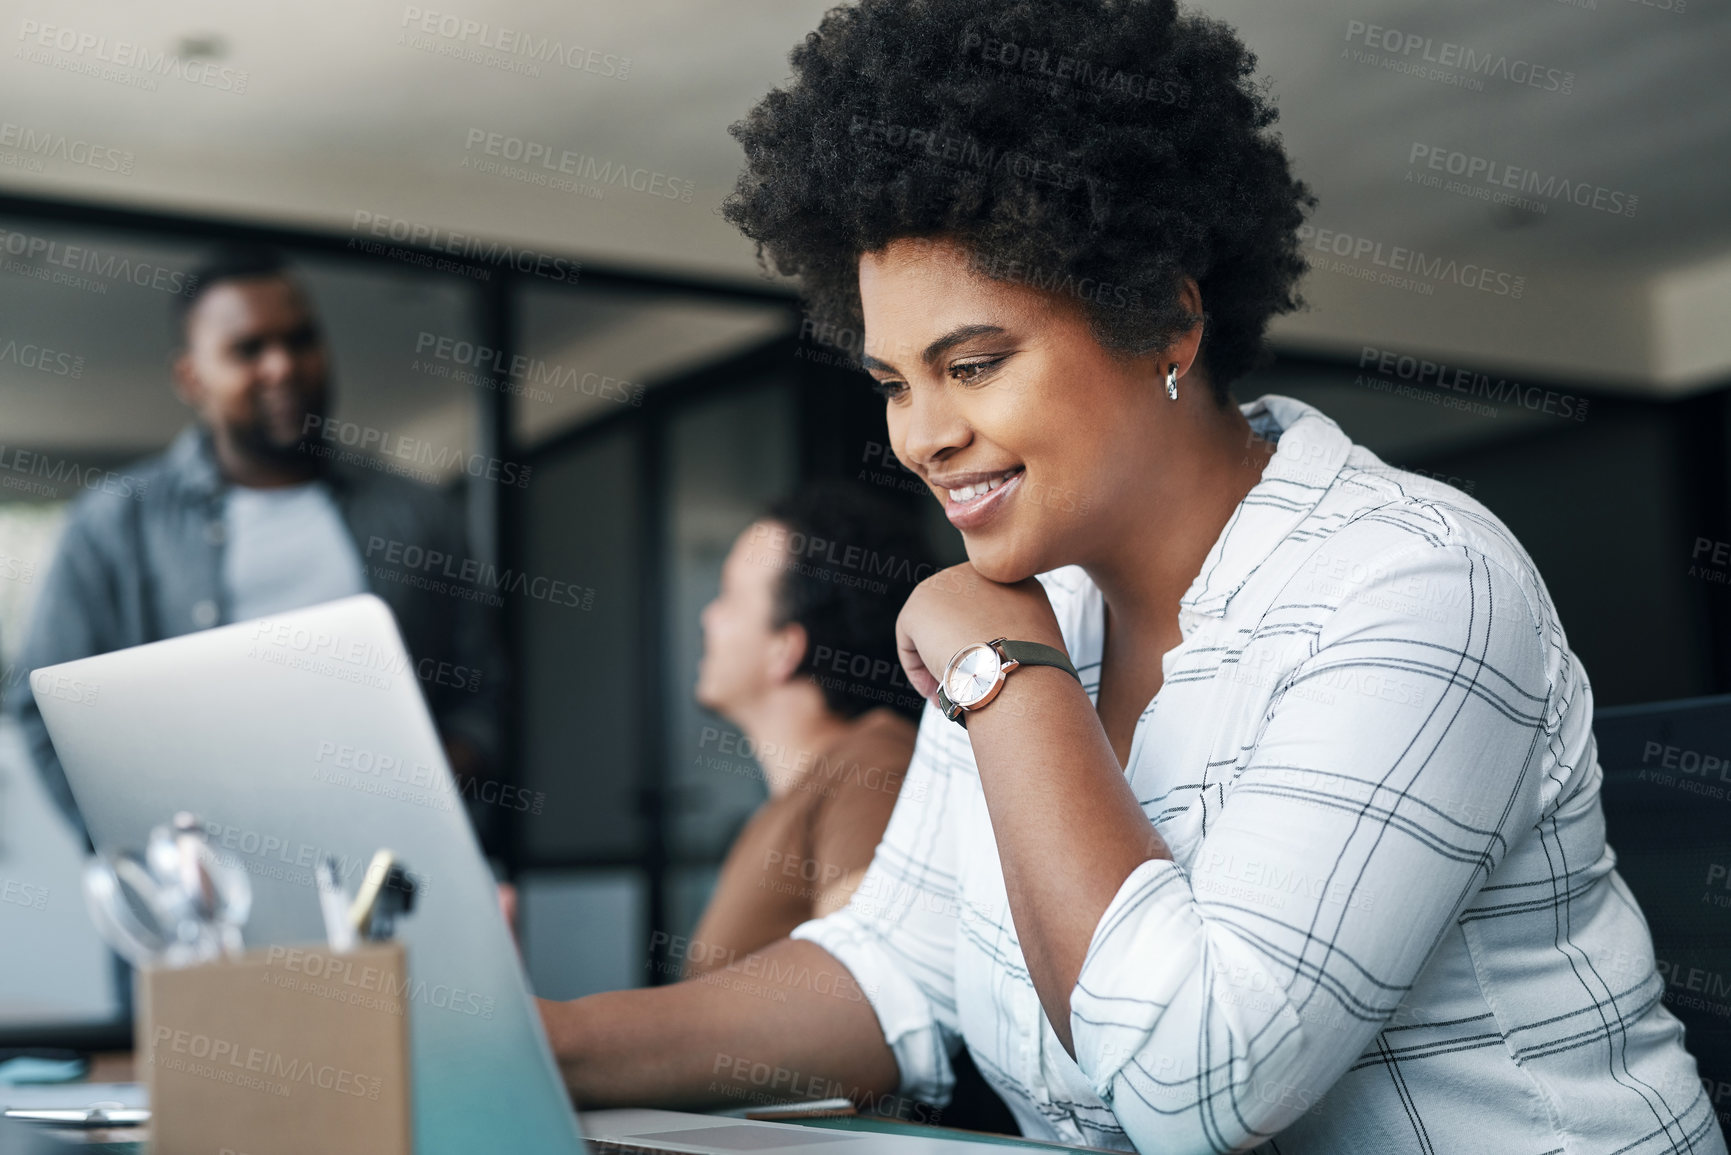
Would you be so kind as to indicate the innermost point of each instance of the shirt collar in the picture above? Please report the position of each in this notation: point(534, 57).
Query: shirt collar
point(193, 461)
point(1310, 450)
point(192, 458)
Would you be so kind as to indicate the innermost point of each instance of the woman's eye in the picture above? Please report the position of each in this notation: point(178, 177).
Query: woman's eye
point(973, 370)
point(889, 390)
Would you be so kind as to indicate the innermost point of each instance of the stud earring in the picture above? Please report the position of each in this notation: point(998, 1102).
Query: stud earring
point(1172, 382)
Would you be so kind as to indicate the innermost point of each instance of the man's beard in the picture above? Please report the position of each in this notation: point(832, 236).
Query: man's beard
point(300, 451)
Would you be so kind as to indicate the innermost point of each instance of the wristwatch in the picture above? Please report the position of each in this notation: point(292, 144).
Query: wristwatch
point(976, 673)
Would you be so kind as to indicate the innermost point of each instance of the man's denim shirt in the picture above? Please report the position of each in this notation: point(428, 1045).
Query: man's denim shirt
point(144, 562)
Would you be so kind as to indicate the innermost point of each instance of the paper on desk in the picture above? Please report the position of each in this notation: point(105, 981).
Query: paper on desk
point(39, 1096)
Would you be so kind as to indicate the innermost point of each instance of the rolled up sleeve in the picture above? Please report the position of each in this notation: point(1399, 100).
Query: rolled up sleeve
point(1219, 1001)
point(897, 934)
point(80, 611)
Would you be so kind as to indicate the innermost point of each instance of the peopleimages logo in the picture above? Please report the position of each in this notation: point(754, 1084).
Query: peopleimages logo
point(463, 245)
point(1087, 76)
point(564, 162)
point(87, 52)
point(472, 577)
point(40, 145)
point(1438, 376)
point(23, 894)
point(21, 469)
point(438, 459)
point(1408, 267)
point(964, 153)
point(85, 259)
point(512, 43)
point(489, 363)
point(17, 569)
point(1494, 173)
point(228, 1061)
point(42, 359)
point(785, 544)
point(1449, 61)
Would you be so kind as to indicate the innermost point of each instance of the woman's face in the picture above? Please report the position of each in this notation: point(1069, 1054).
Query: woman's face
point(1034, 437)
point(743, 652)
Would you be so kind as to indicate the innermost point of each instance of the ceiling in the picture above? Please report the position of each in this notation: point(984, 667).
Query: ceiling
point(350, 108)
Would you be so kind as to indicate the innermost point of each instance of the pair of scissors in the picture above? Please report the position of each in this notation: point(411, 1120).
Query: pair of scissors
point(178, 904)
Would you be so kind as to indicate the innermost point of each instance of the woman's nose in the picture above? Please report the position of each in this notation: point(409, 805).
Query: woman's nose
point(931, 426)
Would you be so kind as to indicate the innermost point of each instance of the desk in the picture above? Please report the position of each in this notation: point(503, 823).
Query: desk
point(646, 1132)
point(118, 1067)
point(110, 1067)
point(869, 1125)
point(105, 1067)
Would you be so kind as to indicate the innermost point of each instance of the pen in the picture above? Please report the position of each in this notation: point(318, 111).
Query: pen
point(372, 885)
point(333, 905)
point(396, 898)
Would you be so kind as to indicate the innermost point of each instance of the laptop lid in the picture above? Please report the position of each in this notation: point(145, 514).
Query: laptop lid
point(305, 735)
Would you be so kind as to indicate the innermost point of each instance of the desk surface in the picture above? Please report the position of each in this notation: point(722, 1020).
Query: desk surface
point(875, 1126)
point(118, 1067)
point(655, 1132)
point(110, 1067)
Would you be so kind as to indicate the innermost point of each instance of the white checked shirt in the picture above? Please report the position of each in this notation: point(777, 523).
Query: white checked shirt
point(1391, 922)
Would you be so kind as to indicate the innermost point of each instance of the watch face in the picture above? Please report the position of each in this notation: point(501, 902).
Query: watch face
point(972, 674)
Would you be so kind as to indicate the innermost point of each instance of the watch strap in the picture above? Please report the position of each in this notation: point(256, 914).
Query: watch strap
point(1036, 654)
point(951, 711)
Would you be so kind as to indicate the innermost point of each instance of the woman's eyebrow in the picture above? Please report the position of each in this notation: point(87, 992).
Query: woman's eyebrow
point(940, 346)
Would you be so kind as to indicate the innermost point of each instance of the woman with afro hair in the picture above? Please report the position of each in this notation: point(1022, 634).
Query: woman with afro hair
point(1257, 804)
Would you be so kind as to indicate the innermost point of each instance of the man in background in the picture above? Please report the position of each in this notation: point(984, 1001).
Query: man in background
point(243, 517)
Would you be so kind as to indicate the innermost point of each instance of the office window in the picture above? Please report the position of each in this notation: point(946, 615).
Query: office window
point(727, 458)
point(581, 669)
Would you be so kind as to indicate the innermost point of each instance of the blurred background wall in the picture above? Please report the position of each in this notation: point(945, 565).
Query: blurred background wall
point(668, 389)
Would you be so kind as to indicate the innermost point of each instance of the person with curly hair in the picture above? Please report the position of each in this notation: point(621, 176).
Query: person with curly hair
point(1256, 804)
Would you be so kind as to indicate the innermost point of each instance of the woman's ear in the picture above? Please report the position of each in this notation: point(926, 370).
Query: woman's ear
point(1189, 343)
point(788, 651)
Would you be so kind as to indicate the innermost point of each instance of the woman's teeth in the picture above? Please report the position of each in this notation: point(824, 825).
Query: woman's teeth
point(981, 487)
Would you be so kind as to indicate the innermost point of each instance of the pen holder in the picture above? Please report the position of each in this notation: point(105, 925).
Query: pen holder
point(281, 1051)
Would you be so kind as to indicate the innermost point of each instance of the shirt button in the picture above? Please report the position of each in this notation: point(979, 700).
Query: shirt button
point(214, 532)
point(204, 614)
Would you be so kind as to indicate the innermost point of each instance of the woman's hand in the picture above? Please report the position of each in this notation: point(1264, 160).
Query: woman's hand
point(955, 607)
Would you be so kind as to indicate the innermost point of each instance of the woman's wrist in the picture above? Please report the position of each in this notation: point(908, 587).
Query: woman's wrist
point(1030, 693)
point(956, 608)
point(556, 1020)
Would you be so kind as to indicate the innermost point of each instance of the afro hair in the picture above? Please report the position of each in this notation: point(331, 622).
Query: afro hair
point(1098, 149)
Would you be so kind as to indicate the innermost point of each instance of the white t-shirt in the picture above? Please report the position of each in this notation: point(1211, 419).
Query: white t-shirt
point(286, 548)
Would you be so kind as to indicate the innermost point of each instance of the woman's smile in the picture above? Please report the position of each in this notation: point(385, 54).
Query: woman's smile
point(972, 500)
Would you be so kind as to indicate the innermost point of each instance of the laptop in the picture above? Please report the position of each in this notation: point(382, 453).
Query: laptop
point(305, 735)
